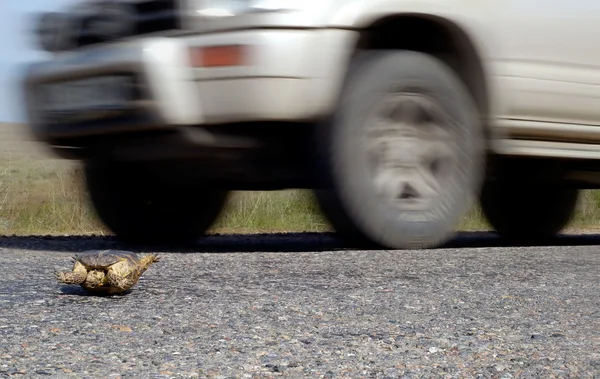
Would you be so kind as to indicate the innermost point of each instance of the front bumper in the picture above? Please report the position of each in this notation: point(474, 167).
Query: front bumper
point(292, 75)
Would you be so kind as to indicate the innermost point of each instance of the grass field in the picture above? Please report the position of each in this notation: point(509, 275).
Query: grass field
point(39, 195)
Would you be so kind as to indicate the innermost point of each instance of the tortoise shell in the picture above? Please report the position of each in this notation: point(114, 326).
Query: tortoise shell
point(98, 259)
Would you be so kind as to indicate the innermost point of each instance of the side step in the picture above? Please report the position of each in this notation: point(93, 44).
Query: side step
point(546, 140)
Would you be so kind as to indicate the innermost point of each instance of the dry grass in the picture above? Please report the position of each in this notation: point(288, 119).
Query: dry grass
point(46, 196)
point(281, 211)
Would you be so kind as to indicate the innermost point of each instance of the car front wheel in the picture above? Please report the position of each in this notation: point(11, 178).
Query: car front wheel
point(403, 156)
point(140, 207)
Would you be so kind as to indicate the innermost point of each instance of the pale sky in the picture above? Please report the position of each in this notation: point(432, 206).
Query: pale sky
point(17, 47)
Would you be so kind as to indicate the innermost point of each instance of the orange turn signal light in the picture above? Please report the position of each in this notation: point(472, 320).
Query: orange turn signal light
point(219, 56)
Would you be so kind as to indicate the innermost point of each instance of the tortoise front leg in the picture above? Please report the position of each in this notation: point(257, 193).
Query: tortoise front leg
point(77, 276)
point(116, 280)
point(119, 276)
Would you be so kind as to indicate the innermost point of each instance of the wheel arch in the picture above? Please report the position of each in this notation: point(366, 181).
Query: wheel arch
point(441, 37)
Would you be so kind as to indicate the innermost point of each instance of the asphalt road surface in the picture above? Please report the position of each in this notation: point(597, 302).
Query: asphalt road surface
point(303, 306)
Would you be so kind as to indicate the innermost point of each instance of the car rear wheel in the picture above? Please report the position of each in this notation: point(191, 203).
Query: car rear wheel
point(526, 213)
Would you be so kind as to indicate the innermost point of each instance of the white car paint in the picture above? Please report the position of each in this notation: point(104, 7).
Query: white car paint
point(541, 59)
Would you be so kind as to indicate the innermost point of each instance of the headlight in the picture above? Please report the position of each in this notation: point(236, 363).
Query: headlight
point(227, 8)
point(50, 30)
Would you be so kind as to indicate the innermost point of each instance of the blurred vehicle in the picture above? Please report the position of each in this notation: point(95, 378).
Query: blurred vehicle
point(399, 114)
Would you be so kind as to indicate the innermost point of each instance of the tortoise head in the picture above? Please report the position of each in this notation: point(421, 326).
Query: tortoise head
point(95, 278)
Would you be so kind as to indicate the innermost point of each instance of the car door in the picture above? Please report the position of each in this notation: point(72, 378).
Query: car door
point(548, 58)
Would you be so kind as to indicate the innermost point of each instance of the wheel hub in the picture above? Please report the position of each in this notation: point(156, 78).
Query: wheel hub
point(410, 151)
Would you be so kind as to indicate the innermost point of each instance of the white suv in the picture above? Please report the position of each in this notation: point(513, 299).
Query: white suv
point(399, 114)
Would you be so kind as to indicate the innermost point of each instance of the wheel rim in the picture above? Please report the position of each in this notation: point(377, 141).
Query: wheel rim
point(411, 152)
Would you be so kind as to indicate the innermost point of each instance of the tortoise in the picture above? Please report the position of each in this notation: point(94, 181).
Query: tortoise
point(107, 271)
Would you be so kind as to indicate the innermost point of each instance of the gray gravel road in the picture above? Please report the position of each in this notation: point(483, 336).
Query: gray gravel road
point(302, 306)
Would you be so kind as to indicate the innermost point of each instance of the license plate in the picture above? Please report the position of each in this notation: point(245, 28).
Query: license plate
point(101, 93)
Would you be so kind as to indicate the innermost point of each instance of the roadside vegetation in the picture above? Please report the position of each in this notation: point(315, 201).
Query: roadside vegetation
point(46, 196)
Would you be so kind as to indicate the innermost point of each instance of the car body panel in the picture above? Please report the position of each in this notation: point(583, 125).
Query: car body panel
point(540, 61)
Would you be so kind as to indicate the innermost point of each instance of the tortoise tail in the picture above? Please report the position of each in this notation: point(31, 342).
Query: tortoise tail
point(148, 260)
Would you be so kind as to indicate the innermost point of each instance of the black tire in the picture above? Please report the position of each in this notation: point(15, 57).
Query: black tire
point(139, 207)
point(526, 213)
point(348, 198)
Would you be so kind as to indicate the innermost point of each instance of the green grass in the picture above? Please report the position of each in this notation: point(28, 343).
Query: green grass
point(46, 196)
